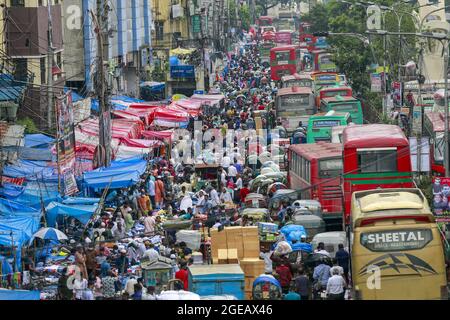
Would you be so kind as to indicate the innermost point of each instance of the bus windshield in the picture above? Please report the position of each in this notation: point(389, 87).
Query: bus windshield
point(372, 161)
point(333, 93)
point(330, 168)
point(282, 56)
point(297, 102)
point(347, 107)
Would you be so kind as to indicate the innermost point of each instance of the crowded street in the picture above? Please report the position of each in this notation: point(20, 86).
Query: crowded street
point(265, 168)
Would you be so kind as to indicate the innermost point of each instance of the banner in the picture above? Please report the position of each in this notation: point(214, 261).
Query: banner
point(66, 142)
point(441, 195)
point(196, 24)
point(397, 93)
point(375, 82)
point(182, 71)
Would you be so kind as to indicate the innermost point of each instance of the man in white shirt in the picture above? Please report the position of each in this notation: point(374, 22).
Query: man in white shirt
point(267, 261)
point(149, 224)
point(226, 161)
point(150, 253)
point(336, 286)
point(232, 171)
point(129, 286)
point(223, 177)
point(321, 249)
point(214, 197)
point(225, 196)
point(239, 183)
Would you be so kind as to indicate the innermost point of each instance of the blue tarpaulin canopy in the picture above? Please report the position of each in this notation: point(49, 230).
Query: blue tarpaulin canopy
point(11, 208)
point(33, 194)
point(117, 102)
point(19, 295)
point(75, 200)
point(80, 212)
point(75, 96)
point(121, 174)
point(32, 170)
point(38, 140)
point(17, 231)
point(38, 154)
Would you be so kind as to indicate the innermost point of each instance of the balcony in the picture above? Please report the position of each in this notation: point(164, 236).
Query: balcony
point(27, 30)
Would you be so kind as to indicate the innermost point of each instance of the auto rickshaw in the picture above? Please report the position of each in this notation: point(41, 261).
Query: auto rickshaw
point(310, 222)
point(255, 200)
point(266, 287)
point(313, 206)
point(274, 187)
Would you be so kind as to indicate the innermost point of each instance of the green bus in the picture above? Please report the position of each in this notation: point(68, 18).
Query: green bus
point(343, 104)
point(321, 124)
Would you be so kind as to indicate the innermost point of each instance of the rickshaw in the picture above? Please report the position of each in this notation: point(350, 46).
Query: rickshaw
point(206, 173)
point(266, 287)
point(157, 273)
point(255, 200)
point(257, 214)
point(264, 186)
point(274, 187)
point(313, 206)
point(288, 195)
point(310, 222)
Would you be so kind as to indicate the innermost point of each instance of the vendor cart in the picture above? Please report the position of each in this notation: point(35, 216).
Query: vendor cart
point(157, 274)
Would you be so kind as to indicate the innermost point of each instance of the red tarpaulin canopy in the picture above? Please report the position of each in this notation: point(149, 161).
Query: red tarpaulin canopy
point(163, 135)
point(170, 113)
point(142, 143)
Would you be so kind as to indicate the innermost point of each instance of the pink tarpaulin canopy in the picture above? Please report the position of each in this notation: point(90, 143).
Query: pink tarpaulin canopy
point(121, 128)
point(142, 143)
point(126, 114)
point(163, 135)
point(170, 113)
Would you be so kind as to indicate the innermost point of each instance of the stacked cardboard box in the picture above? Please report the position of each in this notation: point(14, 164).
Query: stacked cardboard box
point(235, 240)
point(218, 241)
point(252, 268)
point(251, 245)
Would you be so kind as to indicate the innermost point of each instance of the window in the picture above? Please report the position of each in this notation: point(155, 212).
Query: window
point(282, 56)
point(330, 168)
point(17, 3)
point(439, 147)
point(20, 72)
point(42, 69)
point(159, 28)
point(377, 160)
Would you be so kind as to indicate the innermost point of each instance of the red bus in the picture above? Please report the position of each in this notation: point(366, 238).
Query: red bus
point(282, 61)
point(376, 156)
point(434, 126)
point(307, 40)
point(322, 61)
point(268, 36)
point(329, 92)
point(264, 21)
point(283, 37)
point(316, 168)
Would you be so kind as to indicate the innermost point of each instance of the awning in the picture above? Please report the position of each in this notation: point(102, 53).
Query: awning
point(181, 51)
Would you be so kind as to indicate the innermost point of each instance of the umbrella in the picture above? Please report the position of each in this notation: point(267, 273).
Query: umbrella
point(178, 96)
point(49, 234)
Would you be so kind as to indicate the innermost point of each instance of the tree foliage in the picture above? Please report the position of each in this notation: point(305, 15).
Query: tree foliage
point(354, 56)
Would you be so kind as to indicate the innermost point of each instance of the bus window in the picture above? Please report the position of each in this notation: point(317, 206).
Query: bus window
point(345, 107)
point(329, 94)
point(282, 56)
point(349, 120)
point(377, 160)
point(439, 147)
point(330, 168)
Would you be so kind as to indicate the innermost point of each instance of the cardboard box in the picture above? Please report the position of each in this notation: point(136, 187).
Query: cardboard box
point(232, 256)
point(252, 267)
point(218, 241)
point(223, 256)
point(235, 240)
point(251, 242)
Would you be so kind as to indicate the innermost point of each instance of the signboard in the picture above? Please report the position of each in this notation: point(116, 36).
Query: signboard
point(199, 91)
point(66, 142)
point(441, 195)
point(417, 120)
point(182, 71)
point(196, 27)
point(396, 240)
point(375, 82)
point(177, 11)
point(326, 123)
point(424, 154)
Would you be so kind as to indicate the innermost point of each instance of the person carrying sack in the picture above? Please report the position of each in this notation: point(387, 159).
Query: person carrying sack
point(321, 275)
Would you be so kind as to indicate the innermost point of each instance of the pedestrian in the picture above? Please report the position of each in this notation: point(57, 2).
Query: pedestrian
point(321, 275)
point(151, 191)
point(149, 225)
point(321, 249)
point(303, 285)
point(159, 192)
point(122, 262)
point(342, 258)
point(183, 275)
point(336, 286)
point(284, 273)
point(80, 261)
point(108, 286)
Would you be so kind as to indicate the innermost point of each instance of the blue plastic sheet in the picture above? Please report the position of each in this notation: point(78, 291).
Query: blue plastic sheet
point(80, 212)
point(19, 295)
point(11, 191)
point(121, 174)
point(34, 194)
point(9, 207)
point(266, 278)
point(32, 170)
point(37, 154)
point(38, 140)
point(75, 200)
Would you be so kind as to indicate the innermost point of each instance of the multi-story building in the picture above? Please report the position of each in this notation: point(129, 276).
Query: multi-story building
point(26, 46)
point(129, 27)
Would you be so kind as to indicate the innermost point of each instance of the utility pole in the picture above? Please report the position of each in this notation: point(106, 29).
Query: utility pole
point(49, 68)
point(103, 89)
point(446, 158)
